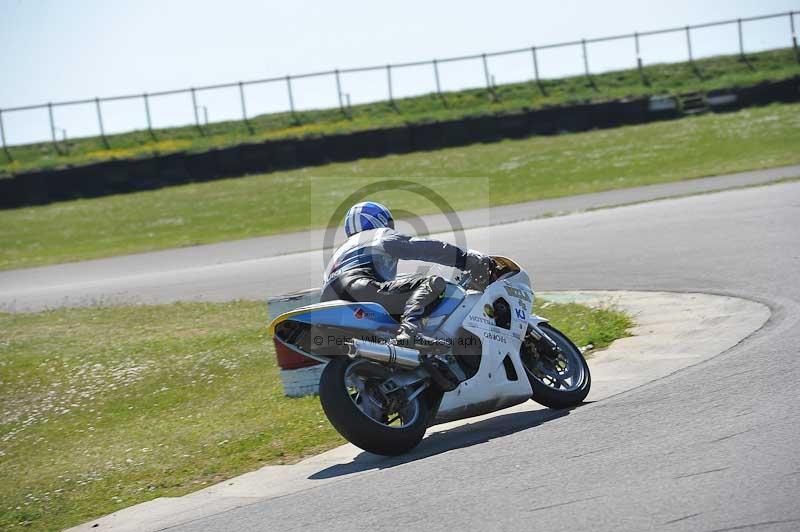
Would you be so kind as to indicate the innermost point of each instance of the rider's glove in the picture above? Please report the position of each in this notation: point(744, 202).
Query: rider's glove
point(479, 267)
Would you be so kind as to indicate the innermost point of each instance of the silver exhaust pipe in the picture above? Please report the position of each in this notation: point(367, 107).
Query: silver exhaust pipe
point(388, 354)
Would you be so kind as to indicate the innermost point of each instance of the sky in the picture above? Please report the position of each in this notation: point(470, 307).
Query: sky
point(54, 50)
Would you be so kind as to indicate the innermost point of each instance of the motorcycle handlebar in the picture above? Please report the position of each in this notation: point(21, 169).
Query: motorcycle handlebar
point(466, 280)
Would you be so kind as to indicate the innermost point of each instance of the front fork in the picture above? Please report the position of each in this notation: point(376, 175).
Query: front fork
point(544, 344)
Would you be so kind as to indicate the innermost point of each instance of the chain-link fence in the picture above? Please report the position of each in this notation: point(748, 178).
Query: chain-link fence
point(342, 98)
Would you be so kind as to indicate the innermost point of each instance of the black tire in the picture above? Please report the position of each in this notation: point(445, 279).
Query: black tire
point(360, 429)
point(550, 397)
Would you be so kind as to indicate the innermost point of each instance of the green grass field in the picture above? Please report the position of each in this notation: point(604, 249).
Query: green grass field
point(104, 408)
point(501, 173)
point(717, 72)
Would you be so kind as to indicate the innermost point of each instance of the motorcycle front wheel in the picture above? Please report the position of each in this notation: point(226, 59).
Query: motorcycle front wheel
point(359, 409)
point(559, 379)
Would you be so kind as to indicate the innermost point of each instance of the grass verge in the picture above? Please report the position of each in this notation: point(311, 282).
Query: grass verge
point(502, 173)
point(716, 72)
point(104, 408)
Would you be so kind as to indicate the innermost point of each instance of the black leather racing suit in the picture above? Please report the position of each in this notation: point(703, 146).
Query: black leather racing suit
point(364, 269)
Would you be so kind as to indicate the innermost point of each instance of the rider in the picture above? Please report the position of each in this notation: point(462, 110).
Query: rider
point(364, 268)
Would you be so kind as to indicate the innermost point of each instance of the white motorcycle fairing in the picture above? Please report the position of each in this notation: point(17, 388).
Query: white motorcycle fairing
point(501, 380)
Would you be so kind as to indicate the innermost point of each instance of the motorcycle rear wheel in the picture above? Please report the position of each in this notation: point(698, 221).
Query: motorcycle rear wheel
point(358, 415)
point(557, 383)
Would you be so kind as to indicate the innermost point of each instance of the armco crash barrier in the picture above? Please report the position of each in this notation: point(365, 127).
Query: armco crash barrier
point(299, 375)
point(122, 176)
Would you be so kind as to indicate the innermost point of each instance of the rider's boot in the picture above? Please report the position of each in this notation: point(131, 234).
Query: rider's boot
point(409, 335)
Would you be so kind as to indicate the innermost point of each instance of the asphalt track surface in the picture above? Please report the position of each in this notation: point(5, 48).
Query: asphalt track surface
point(711, 447)
point(259, 267)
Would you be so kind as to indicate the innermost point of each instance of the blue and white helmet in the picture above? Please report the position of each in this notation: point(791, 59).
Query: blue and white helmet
point(365, 216)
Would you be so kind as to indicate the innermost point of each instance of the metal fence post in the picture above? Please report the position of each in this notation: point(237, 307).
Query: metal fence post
point(291, 98)
point(389, 84)
point(794, 36)
point(691, 56)
point(53, 127)
point(242, 101)
point(3, 138)
point(536, 72)
point(639, 64)
point(486, 72)
point(586, 64)
point(196, 114)
point(100, 123)
point(489, 78)
point(147, 114)
point(244, 108)
point(436, 75)
point(339, 90)
point(638, 51)
point(585, 58)
point(741, 38)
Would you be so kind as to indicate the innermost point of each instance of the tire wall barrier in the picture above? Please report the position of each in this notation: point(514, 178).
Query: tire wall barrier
point(132, 175)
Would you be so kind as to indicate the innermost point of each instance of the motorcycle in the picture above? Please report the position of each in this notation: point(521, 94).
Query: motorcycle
point(382, 397)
